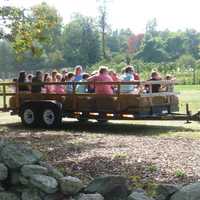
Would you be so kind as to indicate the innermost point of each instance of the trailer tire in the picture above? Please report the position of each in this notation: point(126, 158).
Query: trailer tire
point(29, 116)
point(51, 116)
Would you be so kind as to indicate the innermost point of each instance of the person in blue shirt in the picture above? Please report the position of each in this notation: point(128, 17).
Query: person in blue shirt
point(127, 76)
point(78, 73)
point(69, 85)
point(83, 88)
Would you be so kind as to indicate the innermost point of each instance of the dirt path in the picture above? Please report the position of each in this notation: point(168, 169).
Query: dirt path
point(143, 151)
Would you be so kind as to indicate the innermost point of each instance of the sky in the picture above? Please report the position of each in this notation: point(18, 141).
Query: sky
point(133, 14)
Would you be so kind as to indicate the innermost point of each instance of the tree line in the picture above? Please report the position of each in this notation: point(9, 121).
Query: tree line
point(37, 38)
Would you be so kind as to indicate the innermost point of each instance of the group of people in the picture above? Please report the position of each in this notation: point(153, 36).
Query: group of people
point(70, 81)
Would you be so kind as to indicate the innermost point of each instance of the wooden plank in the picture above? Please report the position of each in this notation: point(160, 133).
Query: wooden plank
point(4, 97)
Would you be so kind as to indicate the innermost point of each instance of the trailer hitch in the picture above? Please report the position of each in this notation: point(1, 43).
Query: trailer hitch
point(196, 116)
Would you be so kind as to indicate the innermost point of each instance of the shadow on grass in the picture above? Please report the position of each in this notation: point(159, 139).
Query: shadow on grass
point(105, 128)
point(122, 128)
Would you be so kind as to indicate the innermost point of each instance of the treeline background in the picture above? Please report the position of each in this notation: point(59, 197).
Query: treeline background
point(38, 39)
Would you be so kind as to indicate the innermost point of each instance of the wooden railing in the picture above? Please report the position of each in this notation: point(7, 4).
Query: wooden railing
point(5, 92)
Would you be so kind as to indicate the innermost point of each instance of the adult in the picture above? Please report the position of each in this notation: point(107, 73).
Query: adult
point(37, 83)
point(127, 76)
point(155, 76)
point(102, 76)
point(78, 73)
point(22, 80)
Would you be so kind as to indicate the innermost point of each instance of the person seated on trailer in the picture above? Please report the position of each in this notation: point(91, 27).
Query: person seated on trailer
point(83, 88)
point(69, 83)
point(21, 80)
point(102, 76)
point(37, 81)
point(155, 76)
point(59, 89)
point(64, 75)
point(91, 86)
point(53, 75)
point(78, 73)
point(127, 76)
point(49, 88)
point(169, 87)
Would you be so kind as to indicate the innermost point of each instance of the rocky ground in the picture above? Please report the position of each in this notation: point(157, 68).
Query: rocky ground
point(143, 153)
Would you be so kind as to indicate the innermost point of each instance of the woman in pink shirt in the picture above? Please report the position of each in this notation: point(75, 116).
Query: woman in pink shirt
point(102, 76)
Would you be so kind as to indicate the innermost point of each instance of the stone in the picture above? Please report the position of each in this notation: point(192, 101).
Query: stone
point(17, 155)
point(29, 170)
point(188, 192)
point(8, 196)
point(30, 195)
point(52, 171)
point(89, 197)
point(24, 181)
point(56, 196)
point(111, 187)
point(15, 177)
point(70, 185)
point(138, 196)
point(45, 183)
point(165, 191)
point(3, 172)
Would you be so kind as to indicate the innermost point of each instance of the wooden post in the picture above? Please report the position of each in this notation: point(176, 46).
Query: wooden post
point(17, 95)
point(118, 95)
point(74, 95)
point(4, 97)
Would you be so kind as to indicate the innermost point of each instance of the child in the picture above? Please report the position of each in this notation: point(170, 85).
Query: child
point(59, 89)
point(69, 86)
point(83, 88)
point(49, 88)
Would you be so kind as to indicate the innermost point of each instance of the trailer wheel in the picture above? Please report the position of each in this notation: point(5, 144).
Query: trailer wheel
point(51, 116)
point(28, 116)
point(83, 118)
point(102, 118)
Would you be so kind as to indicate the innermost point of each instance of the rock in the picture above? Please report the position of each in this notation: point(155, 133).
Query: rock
point(3, 172)
point(165, 191)
point(111, 187)
point(30, 195)
point(17, 155)
point(56, 196)
point(15, 177)
point(8, 196)
point(29, 170)
point(52, 171)
point(24, 181)
point(89, 197)
point(70, 185)
point(188, 192)
point(138, 196)
point(47, 184)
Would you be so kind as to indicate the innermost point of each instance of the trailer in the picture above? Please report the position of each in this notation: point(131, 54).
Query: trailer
point(48, 109)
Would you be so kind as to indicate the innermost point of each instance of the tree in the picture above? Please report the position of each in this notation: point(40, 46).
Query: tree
point(30, 29)
point(81, 44)
point(103, 25)
point(6, 57)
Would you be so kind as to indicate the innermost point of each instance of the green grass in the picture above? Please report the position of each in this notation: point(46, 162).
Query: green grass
point(189, 94)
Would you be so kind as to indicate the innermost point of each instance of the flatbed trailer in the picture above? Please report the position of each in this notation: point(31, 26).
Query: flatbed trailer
point(47, 110)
